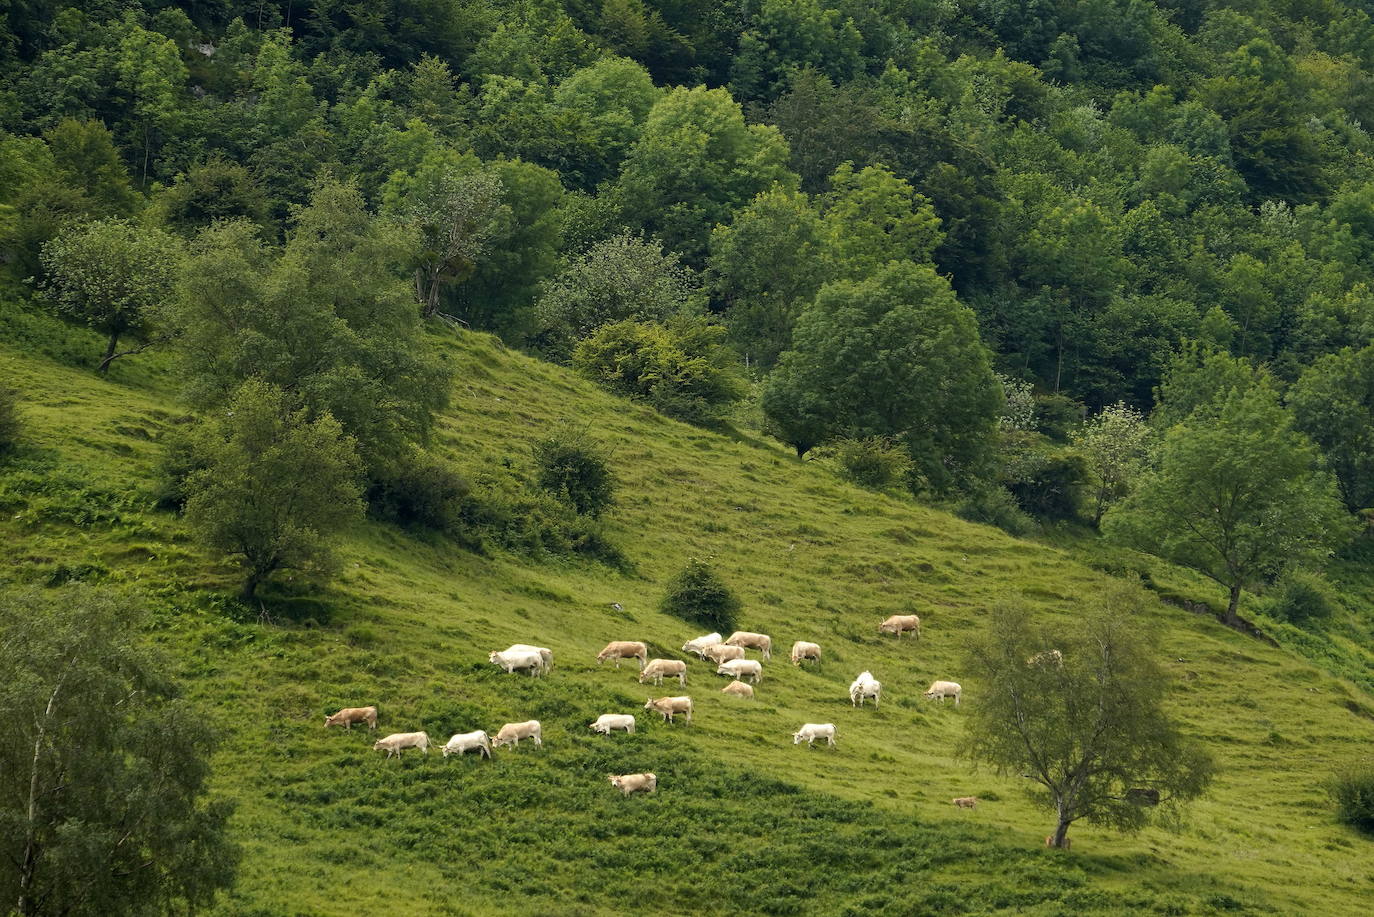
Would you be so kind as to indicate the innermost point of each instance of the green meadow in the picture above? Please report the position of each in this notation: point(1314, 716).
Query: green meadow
point(744, 821)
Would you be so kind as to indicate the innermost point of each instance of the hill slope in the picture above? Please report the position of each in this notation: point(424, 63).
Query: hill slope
point(744, 821)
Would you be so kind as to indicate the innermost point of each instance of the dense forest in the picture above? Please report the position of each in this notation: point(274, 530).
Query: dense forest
point(1098, 272)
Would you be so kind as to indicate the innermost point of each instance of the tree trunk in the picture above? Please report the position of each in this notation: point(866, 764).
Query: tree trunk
point(250, 586)
point(1232, 617)
point(1061, 832)
point(104, 367)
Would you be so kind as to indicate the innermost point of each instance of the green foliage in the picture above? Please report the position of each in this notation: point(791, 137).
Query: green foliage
point(614, 280)
point(85, 157)
point(116, 277)
point(994, 505)
point(1115, 444)
point(872, 218)
point(419, 491)
point(696, 593)
point(682, 367)
point(1235, 494)
point(575, 470)
point(1300, 598)
point(11, 425)
point(1045, 480)
point(272, 487)
point(894, 355)
point(1352, 789)
point(107, 768)
point(873, 461)
point(216, 189)
point(1333, 402)
point(1086, 729)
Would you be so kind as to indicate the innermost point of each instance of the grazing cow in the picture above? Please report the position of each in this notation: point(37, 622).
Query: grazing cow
point(545, 654)
point(738, 688)
point(741, 669)
point(813, 731)
point(657, 669)
point(699, 644)
point(863, 687)
point(624, 649)
point(722, 652)
point(512, 733)
point(510, 660)
point(634, 783)
point(671, 706)
point(943, 689)
point(803, 650)
point(350, 715)
point(1048, 657)
point(609, 721)
point(761, 642)
point(900, 624)
point(467, 741)
point(965, 802)
point(393, 743)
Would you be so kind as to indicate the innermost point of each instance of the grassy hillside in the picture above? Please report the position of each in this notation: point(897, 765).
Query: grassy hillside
point(744, 822)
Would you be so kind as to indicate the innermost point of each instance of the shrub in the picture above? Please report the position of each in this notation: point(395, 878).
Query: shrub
point(875, 462)
point(1353, 792)
point(994, 506)
point(572, 468)
point(534, 524)
point(699, 595)
point(682, 368)
point(9, 419)
point(419, 491)
point(1300, 597)
point(1045, 480)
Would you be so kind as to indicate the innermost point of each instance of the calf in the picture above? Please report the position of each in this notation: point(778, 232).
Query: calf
point(761, 642)
point(943, 689)
point(742, 669)
point(394, 743)
point(722, 652)
point(512, 733)
point(803, 650)
point(900, 624)
point(350, 715)
point(965, 802)
point(634, 783)
point(467, 741)
point(738, 689)
point(670, 707)
point(813, 731)
point(609, 721)
point(624, 649)
point(657, 669)
point(698, 645)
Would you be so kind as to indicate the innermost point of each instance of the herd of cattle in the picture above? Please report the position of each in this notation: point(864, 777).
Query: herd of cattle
point(729, 657)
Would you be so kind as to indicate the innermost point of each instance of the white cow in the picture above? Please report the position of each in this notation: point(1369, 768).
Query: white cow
point(722, 652)
point(510, 660)
point(634, 783)
point(813, 731)
point(467, 741)
point(761, 642)
point(900, 624)
point(865, 686)
point(943, 689)
point(545, 654)
point(742, 669)
point(512, 733)
point(671, 706)
point(657, 669)
point(609, 721)
point(623, 649)
point(394, 743)
point(803, 650)
point(738, 689)
point(698, 645)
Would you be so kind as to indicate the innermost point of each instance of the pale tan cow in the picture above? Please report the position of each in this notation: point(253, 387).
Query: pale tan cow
point(467, 741)
point(624, 649)
point(738, 689)
point(900, 624)
point(512, 733)
point(804, 650)
point(698, 644)
point(965, 802)
point(609, 721)
point(761, 642)
point(658, 669)
point(810, 732)
point(863, 687)
point(394, 743)
point(943, 689)
point(741, 669)
point(722, 652)
point(350, 715)
point(545, 654)
point(671, 706)
point(634, 783)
